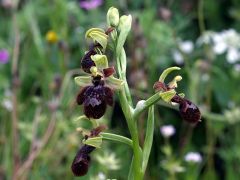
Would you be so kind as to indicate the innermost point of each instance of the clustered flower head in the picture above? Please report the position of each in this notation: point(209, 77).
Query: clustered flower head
point(226, 41)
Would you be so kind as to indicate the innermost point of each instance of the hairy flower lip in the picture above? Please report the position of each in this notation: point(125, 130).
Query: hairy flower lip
point(95, 98)
point(82, 161)
point(188, 110)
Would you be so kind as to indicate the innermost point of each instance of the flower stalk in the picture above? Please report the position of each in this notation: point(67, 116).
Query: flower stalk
point(98, 95)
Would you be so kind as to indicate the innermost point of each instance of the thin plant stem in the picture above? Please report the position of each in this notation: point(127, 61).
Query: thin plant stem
point(15, 85)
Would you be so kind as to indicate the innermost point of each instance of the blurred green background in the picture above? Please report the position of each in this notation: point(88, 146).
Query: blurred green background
point(39, 134)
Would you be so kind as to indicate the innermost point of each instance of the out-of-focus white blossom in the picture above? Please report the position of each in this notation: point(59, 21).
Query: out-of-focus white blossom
point(233, 55)
point(7, 104)
point(110, 160)
point(167, 130)
point(219, 47)
point(193, 157)
point(206, 38)
point(177, 56)
point(205, 77)
point(227, 41)
point(237, 67)
point(186, 46)
point(101, 176)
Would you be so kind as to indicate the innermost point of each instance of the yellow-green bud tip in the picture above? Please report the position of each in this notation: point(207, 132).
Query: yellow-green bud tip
point(113, 17)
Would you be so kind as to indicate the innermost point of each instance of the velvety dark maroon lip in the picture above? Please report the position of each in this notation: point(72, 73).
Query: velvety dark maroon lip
point(95, 98)
point(82, 161)
point(188, 110)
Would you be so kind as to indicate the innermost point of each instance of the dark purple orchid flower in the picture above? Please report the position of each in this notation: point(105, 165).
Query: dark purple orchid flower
point(90, 4)
point(95, 98)
point(188, 111)
point(82, 159)
point(4, 56)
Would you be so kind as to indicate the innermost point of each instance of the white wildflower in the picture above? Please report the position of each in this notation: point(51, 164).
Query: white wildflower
point(110, 159)
point(237, 67)
point(7, 104)
point(167, 130)
point(193, 157)
point(205, 77)
point(186, 46)
point(177, 56)
point(233, 55)
point(101, 176)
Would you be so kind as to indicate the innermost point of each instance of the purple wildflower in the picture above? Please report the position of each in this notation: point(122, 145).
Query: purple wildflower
point(4, 56)
point(90, 4)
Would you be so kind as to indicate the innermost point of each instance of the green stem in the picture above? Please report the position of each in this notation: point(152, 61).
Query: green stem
point(149, 102)
point(117, 138)
point(201, 17)
point(132, 126)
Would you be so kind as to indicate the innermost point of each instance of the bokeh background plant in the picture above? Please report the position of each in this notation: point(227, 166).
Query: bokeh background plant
point(41, 44)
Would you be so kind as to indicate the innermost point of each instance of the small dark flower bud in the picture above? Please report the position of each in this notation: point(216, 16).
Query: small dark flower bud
point(87, 62)
point(95, 98)
point(188, 111)
point(82, 160)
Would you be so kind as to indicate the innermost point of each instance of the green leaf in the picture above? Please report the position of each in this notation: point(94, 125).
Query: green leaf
point(83, 80)
point(131, 170)
point(148, 138)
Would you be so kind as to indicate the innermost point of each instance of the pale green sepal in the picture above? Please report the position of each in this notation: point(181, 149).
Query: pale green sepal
point(80, 118)
point(182, 95)
point(166, 72)
point(98, 35)
point(115, 82)
point(83, 80)
point(101, 61)
point(95, 141)
point(167, 95)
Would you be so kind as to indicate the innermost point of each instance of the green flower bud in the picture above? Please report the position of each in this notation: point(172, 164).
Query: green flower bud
point(113, 17)
point(125, 23)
